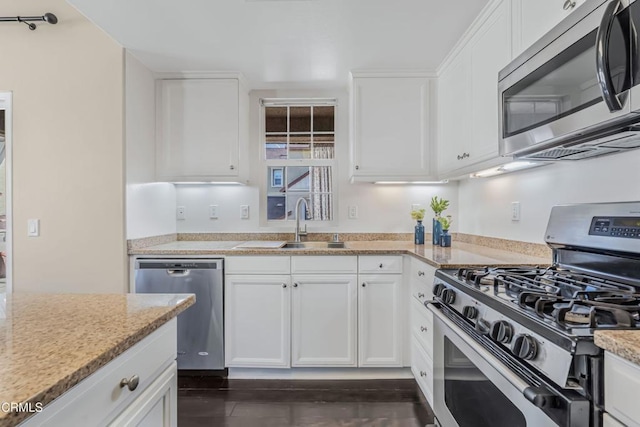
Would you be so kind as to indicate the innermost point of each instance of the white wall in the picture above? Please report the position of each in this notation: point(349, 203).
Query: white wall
point(68, 152)
point(484, 204)
point(150, 205)
point(381, 208)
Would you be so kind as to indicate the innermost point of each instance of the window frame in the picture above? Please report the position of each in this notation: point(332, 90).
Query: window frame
point(265, 163)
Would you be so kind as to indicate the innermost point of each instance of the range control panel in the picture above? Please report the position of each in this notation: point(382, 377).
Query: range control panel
point(628, 227)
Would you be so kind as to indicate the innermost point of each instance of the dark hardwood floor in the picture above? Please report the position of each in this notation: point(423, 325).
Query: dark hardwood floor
point(210, 401)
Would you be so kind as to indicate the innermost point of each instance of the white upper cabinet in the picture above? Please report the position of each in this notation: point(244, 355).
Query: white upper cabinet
point(390, 126)
point(468, 96)
point(202, 127)
point(533, 18)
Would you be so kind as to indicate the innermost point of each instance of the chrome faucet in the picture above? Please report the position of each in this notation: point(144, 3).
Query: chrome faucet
point(298, 232)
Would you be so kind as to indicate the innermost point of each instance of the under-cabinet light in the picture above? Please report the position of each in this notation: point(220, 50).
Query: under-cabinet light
point(444, 181)
point(207, 183)
point(508, 167)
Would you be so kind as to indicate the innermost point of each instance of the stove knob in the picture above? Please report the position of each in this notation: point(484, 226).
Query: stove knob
point(437, 289)
point(470, 312)
point(525, 347)
point(448, 296)
point(501, 331)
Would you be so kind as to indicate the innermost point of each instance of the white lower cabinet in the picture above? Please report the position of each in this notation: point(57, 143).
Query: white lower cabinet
point(422, 369)
point(380, 320)
point(609, 421)
point(323, 320)
point(257, 320)
point(621, 385)
point(156, 407)
point(101, 399)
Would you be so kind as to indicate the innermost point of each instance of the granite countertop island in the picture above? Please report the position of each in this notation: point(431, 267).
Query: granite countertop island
point(624, 343)
point(51, 342)
point(458, 255)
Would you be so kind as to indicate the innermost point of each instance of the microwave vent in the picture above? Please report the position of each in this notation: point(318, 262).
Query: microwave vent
point(570, 153)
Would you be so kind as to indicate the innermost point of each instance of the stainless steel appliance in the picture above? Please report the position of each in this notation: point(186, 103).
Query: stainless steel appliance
point(514, 346)
point(200, 327)
point(575, 93)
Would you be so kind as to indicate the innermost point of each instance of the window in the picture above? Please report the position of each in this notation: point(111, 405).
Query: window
point(299, 152)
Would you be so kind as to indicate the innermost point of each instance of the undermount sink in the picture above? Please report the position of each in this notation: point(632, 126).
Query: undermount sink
point(314, 245)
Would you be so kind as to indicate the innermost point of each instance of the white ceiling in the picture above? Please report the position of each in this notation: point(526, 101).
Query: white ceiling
point(285, 43)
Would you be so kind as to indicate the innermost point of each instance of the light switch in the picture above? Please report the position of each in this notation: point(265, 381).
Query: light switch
point(244, 211)
point(33, 227)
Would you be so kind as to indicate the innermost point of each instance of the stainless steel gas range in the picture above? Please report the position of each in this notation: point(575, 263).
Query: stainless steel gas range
point(514, 346)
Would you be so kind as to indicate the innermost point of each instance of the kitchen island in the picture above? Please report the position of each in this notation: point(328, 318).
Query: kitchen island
point(52, 342)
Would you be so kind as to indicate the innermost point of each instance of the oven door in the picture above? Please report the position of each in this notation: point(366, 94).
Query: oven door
point(580, 79)
point(472, 388)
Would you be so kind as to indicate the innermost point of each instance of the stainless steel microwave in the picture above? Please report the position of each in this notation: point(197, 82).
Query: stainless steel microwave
point(575, 93)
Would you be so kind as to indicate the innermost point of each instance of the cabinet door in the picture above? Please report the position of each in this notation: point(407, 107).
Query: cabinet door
point(257, 321)
point(490, 52)
point(380, 320)
point(534, 18)
point(454, 112)
point(324, 320)
point(199, 129)
point(156, 407)
point(390, 127)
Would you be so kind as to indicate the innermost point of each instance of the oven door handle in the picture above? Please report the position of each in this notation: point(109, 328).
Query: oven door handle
point(515, 380)
point(602, 57)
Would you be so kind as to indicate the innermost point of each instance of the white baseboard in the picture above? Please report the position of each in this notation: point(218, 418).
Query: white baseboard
point(321, 373)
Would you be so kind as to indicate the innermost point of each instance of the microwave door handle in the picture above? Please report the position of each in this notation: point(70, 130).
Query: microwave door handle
point(602, 57)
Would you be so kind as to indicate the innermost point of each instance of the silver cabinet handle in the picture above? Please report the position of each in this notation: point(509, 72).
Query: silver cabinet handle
point(420, 295)
point(295, 285)
point(420, 273)
point(284, 285)
point(423, 329)
point(423, 374)
point(569, 5)
point(380, 265)
point(232, 167)
point(357, 167)
point(364, 285)
point(130, 383)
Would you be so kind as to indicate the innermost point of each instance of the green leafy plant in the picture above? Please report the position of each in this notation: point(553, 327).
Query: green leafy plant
point(418, 214)
point(445, 221)
point(438, 205)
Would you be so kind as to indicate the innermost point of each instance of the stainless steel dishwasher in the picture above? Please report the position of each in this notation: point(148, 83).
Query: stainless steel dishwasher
point(200, 327)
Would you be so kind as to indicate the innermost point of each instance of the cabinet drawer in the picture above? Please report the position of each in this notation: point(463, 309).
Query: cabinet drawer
point(380, 264)
point(100, 396)
point(257, 265)
point(422, 325)
point(621, 384)
point(422, 369)
point(422, 272)
point(324, 264)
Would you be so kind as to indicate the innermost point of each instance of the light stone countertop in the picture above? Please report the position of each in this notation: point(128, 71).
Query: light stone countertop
point(51, 342)
point(625, 344)
point(458, 255)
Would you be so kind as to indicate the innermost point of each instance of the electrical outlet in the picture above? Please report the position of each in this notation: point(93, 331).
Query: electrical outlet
point(244, 211)
point(181, 213)
point(213, 211)
point(515, 211)
point(353, 212)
